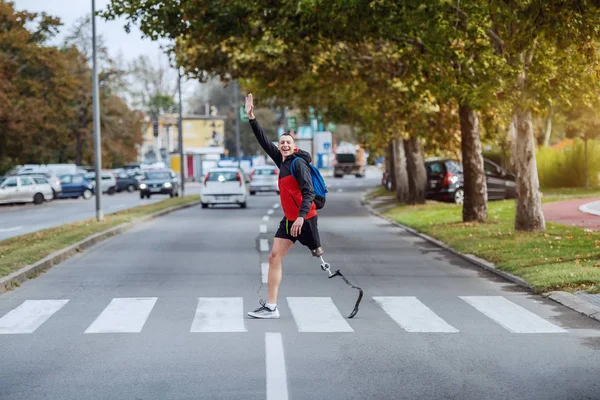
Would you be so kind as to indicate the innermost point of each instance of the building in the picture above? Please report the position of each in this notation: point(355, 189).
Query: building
point(203, 143)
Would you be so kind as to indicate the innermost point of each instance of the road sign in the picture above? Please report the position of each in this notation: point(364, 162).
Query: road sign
point(243, 115)
point(291, 123)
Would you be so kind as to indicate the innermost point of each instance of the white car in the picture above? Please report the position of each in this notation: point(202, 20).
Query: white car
point(25, 189)
point(109, 181)
point(224, 186)
point(264, 179)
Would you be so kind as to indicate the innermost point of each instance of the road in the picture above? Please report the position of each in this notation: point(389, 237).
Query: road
point(16, 220)
point(159, 313)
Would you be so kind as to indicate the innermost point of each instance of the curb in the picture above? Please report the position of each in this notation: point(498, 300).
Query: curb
point(31, 271)
point(585, 208)
point(575, 303)
point(566, 299)
point(467, 257)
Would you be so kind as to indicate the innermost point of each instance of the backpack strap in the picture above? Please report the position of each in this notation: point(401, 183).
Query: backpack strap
point(292, 167)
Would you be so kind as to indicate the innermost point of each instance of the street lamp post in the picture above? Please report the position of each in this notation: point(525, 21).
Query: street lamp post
point(180, 134)
point(237, 120)
point(96, 112)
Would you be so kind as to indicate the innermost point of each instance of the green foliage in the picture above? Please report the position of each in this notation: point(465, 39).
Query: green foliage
point(565, 168)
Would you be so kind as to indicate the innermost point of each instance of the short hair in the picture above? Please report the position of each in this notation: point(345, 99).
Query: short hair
point(288, 134)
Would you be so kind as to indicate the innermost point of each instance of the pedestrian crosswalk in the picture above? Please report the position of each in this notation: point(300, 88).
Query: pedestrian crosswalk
point(310, 314)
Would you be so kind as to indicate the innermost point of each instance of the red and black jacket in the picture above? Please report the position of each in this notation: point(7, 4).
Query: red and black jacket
point(296, 195)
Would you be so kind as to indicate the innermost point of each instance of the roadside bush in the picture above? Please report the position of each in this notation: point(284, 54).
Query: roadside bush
point(558, 168)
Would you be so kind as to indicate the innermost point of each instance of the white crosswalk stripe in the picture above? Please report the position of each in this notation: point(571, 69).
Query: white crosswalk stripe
point(412, 315)
point(310, 314)
point(317, 314)
point(127, 315)
point(29, 316)
point(219, 314)
point(510, 315)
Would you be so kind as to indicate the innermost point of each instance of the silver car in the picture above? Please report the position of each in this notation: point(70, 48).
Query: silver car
point(264, 179)
point(52, 179)
point(25, 189)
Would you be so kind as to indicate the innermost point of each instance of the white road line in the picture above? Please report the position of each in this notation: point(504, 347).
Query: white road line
point(264, 245)
point(123, 315)
point(412, 315)
point(510, 315)
point(270, 212)
point(276, 205)
point(317, 314)
point(266, 217)
point(219, 314)
point(11, 229)
point(29, 316)
point(264, 268)
point(263, 228)
point(339, 190)
point(275, 363)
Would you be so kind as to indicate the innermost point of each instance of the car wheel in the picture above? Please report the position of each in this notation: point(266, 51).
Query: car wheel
point(171, 195)
point(204, 205)
point(38, 198)
point(244, 205)
point(459, 196)
point(252, 193)
point(87, 194)
point(112, 191)
point(131, 188)
point(53, 194)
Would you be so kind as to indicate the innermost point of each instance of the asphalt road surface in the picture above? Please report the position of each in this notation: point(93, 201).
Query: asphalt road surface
point(16, 220)
point(159, 313)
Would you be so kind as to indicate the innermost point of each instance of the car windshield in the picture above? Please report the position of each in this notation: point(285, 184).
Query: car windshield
point(265, 171)
point(158, 175)
point(223, 176)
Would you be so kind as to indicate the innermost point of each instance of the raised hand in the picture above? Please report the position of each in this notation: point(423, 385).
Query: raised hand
point(249, 106)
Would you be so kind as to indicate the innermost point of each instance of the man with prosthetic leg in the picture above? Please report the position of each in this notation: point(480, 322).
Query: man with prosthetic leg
point(299, 203)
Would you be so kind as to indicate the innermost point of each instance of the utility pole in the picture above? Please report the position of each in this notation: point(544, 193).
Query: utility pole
point(180, 133)
point(237, 120)
point(96, 105)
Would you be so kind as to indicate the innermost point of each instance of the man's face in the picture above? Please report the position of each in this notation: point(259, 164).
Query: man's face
point(286, 145)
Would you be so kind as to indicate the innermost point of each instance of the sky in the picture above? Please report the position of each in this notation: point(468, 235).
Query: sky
point(118, 42)
point(116, 39)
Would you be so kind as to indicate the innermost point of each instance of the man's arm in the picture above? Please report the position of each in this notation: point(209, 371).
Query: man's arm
point(265, 143)
point(260, 134)
point(304, 178)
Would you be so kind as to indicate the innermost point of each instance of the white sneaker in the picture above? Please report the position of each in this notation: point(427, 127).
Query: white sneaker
point(264, 312)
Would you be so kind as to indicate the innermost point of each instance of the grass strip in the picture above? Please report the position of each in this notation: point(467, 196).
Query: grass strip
point(562, 258)
point(20, 251)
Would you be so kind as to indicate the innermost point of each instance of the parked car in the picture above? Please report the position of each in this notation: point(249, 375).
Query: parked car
point(108, 181)
point(75, 186)
point(445, 181)
point(163, 181)
point(25, 189)
point(127, 182)
point(264, 179)
point(52, 179)
point(224, 186)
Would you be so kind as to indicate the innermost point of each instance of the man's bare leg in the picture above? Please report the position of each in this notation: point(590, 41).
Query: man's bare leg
point(280, 249)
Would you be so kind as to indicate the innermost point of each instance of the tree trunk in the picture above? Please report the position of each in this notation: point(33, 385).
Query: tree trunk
point(401, 176)
point(392, 166)
point(548, 126)
point(585, 160)
point(78, 147)
point(530, 216)
point(475, 186)
point(417, 175)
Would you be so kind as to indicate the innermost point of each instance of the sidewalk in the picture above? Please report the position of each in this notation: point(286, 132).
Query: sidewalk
point(568, 213)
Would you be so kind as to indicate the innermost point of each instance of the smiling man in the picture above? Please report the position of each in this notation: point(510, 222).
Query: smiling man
point(297, 200)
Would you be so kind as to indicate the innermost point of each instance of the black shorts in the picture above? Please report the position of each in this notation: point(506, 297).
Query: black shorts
point(309, 235)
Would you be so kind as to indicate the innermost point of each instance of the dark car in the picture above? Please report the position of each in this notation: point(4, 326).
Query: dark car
point(159, 182)
point(76, 185)
point(445, 181)
point(127, 182)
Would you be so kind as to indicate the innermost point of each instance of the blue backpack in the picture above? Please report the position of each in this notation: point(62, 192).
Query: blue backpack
point(318, 184)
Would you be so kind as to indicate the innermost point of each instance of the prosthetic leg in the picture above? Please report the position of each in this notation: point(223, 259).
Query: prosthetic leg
point(327, 268)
